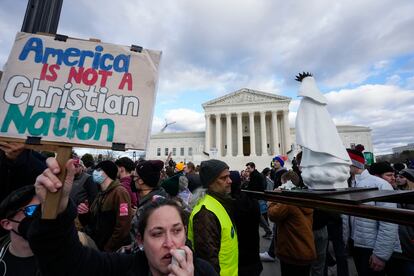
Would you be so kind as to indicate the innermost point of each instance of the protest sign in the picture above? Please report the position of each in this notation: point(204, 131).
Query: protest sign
point(80, 92)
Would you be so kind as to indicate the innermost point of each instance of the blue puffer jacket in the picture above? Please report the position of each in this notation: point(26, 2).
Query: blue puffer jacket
point(381, 236)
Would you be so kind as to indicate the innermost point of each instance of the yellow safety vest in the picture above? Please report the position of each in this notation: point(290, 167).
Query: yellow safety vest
point(229, 249)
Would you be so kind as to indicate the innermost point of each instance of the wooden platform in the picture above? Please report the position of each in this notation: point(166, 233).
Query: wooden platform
point(348, 201)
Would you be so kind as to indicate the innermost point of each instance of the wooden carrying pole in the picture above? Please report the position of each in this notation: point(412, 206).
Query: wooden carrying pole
point(349, 207)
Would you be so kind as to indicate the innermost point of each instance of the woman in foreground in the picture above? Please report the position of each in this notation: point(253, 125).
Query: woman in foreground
point(56, 245)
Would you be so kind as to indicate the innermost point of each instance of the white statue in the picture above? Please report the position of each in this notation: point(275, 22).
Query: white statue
point(325, 162)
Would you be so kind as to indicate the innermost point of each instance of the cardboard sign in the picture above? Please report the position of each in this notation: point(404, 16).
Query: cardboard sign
point(78, 92)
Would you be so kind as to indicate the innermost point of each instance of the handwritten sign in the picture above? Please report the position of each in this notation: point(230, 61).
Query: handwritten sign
point(78, 92)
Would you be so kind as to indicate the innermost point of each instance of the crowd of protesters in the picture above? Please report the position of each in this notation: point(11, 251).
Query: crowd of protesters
point(154, 217)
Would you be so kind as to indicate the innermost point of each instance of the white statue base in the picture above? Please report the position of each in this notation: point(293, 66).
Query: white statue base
point(329, 176)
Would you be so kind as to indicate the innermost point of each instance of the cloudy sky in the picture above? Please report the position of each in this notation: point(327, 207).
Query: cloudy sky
point(360, 52)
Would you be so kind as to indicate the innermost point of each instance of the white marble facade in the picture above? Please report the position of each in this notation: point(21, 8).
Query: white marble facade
point(247, 123)
point(242, 126)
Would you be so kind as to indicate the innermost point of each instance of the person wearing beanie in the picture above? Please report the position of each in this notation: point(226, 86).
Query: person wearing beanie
point(210, 228)
point(277, 171)
point(385, 171)
point(398, 167)
point(171, 184)
point(146, 182)
point(357, 159)
point(379, 168)
point(405, 179)
point(108, 219)
point(16, 215)
point(280, 160)
point(179, 167)
point(125, 167)
point(372, 242)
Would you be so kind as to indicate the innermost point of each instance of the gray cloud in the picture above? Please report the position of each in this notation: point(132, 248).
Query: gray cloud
point(221, 46)
point(388, 110)
point(339, 40)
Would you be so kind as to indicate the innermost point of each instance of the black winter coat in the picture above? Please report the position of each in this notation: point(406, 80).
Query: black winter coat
point(23, 171)
point(257, 182)
point(247, 219)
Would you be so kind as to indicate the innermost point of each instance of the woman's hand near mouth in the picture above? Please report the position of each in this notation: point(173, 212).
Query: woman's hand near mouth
point(185, 264)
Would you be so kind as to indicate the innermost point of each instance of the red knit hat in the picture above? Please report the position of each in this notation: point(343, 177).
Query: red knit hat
point(357, 158)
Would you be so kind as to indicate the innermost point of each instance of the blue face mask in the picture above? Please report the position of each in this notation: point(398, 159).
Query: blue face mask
point(98, 177)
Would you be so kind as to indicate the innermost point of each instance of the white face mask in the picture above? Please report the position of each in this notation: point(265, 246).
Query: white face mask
point(98, 177)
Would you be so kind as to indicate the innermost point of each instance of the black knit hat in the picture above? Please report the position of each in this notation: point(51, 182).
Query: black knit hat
point(171, 184)
point(408, 173)
point(150, 171)
point(399, 166)
point(109, 168)
point(380, 168)
point(16, 200)
point(210, 170)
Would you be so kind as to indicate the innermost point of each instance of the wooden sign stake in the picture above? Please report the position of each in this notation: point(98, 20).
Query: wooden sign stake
point(50, 207)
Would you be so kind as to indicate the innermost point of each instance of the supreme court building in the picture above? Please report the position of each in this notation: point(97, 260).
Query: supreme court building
point(243, 126)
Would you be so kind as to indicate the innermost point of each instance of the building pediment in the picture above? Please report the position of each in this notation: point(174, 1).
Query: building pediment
point(246, 96)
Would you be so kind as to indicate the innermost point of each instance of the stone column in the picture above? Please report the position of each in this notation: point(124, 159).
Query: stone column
point(263, 132)
point(286, 130)
point(218, 135)
point(252, 137)
point(208, 131)
point(239, 135)
point(229, 135)
point(275, 134)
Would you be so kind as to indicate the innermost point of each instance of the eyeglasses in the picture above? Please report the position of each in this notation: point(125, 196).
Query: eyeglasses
point(28, 211)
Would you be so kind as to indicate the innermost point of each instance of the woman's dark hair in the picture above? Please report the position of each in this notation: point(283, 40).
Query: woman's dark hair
point(190, 165)
point(125, 162)
point(266, 171)
point(156, 203)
